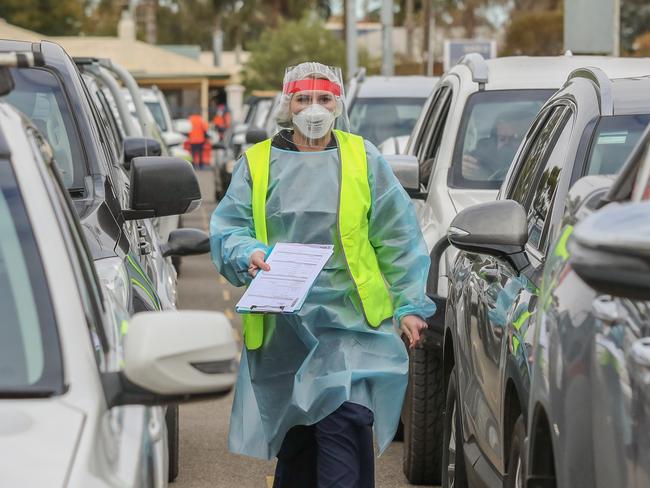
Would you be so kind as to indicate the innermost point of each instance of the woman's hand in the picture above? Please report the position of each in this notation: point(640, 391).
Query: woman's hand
point(412, 325)
point(257, 262)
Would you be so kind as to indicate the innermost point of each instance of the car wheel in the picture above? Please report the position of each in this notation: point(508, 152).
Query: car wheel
point(517, 459)
point(422, 417)
point(173, 435)
point(453, 459)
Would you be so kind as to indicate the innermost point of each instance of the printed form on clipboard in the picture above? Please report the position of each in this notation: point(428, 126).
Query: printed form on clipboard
point(283, 289)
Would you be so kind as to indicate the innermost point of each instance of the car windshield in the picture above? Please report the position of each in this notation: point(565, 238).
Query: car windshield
point(493, 125)
point(156, 110)
point(378, 119)
point(30, 357)
point(39, 96)
point(613, 142)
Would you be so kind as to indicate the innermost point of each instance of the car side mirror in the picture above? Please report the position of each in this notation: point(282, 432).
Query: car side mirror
point(173, 138)
point(494, 228)
point(135, 147)
point(255, 135)
point(162, 186)
point(610, 250)
point(174, 356)
point(407, 170)
point(186, 242)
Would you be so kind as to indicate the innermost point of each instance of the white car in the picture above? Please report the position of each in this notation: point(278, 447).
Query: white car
point(80, 381)
point(458, 155)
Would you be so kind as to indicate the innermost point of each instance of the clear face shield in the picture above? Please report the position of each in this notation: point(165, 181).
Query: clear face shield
point(311, 105)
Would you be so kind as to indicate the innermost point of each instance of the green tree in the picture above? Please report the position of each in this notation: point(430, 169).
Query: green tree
point(635, 20)
point(291, 43)
point(535, 33)
point(50, 17)
point(102, 18)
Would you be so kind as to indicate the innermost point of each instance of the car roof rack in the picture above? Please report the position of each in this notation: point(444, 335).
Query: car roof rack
point(477, 66)
point(602, 82)
point(16, 59)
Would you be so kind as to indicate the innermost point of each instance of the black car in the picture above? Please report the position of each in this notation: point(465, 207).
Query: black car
point(107, 191)
point(589, 127)
point(589, 411)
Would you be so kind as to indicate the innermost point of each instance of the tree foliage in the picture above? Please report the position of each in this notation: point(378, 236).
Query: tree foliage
point(50, 17)
point(535, 33)
point(635, 21)
point(292, 43)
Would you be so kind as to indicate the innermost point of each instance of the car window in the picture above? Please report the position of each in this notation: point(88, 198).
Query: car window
point(535, 155)
point(378, 119)
point(38, 94)
point(493, 125)
point(156, 110)
point(613, 142)
point(86, 278)
point(30, 354)
point(427, 152)
point(545, 189)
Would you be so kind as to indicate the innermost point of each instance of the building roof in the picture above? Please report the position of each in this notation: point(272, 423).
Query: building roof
point(141, 59)
point(9, 31)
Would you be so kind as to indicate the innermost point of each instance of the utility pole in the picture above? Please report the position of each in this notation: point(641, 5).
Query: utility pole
point(408, 21)
point(351, 37)
point(431, 36)
point(151, 29)
point(387, 54)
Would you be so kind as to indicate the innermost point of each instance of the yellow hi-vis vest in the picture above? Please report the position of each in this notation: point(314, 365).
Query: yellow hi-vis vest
point(353, 211)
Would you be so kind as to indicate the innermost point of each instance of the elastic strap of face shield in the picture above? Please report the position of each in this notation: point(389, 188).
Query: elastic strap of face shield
point(312, 85)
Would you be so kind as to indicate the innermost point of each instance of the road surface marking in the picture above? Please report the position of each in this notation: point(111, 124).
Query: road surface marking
point(269, 482)
point(222, 280)
point(229, 314)
point(226, 294)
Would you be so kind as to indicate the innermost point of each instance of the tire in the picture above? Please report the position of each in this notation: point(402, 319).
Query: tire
point(173, 435)
point(517, 458)
point(422, 417)
point(453, 457)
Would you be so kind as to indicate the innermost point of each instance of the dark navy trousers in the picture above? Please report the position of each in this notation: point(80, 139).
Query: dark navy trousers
point(336, 452)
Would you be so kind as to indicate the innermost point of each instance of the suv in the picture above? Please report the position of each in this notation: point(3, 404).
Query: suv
point(93, 167)
point(588, 128)
point(384, 109)
point(459, 152)
point(589, 418)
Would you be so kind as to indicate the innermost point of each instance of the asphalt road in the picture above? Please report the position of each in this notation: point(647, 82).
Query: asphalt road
point(204, 457)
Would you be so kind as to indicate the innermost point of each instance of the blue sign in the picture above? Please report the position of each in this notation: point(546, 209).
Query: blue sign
point(457, 48)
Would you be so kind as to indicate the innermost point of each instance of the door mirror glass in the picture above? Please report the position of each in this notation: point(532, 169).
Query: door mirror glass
point(610, 250)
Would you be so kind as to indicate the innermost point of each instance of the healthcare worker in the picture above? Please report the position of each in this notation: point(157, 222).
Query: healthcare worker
point(313, 386)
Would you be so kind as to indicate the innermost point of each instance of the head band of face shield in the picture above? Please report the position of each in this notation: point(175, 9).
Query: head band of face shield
point(312, 85)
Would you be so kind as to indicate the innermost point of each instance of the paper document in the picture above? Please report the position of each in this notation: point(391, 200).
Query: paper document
point(283, 289)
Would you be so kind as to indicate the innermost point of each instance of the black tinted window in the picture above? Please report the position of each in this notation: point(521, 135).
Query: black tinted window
point(378, 119)
point(429, 143)
point(30, 355)
point(40, 97)
point(535, 157)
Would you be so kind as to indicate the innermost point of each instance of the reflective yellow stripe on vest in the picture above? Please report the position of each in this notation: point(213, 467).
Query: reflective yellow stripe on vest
point(354, 207)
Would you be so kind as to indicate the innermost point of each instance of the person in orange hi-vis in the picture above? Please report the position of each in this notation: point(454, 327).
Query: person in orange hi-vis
point(222, 120)
point(196, 138)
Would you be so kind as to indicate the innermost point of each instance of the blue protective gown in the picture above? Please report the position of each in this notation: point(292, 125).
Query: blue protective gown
point(327, 354)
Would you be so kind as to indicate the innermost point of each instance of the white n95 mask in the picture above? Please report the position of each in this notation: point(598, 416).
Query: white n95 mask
point(314, 122)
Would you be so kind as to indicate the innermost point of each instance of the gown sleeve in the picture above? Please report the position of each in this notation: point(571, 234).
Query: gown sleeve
point(396, 236)
point(232, 235)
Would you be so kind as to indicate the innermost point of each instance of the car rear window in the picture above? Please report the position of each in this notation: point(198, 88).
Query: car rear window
point(38, 94)
point(156, 110)
point(613, 141)
point(378, 119)
point(493, 125)
point(30, 356)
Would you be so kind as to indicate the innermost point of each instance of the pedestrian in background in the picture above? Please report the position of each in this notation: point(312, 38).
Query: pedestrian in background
point(222, 120)
point(313, 386)
point(197, 137)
